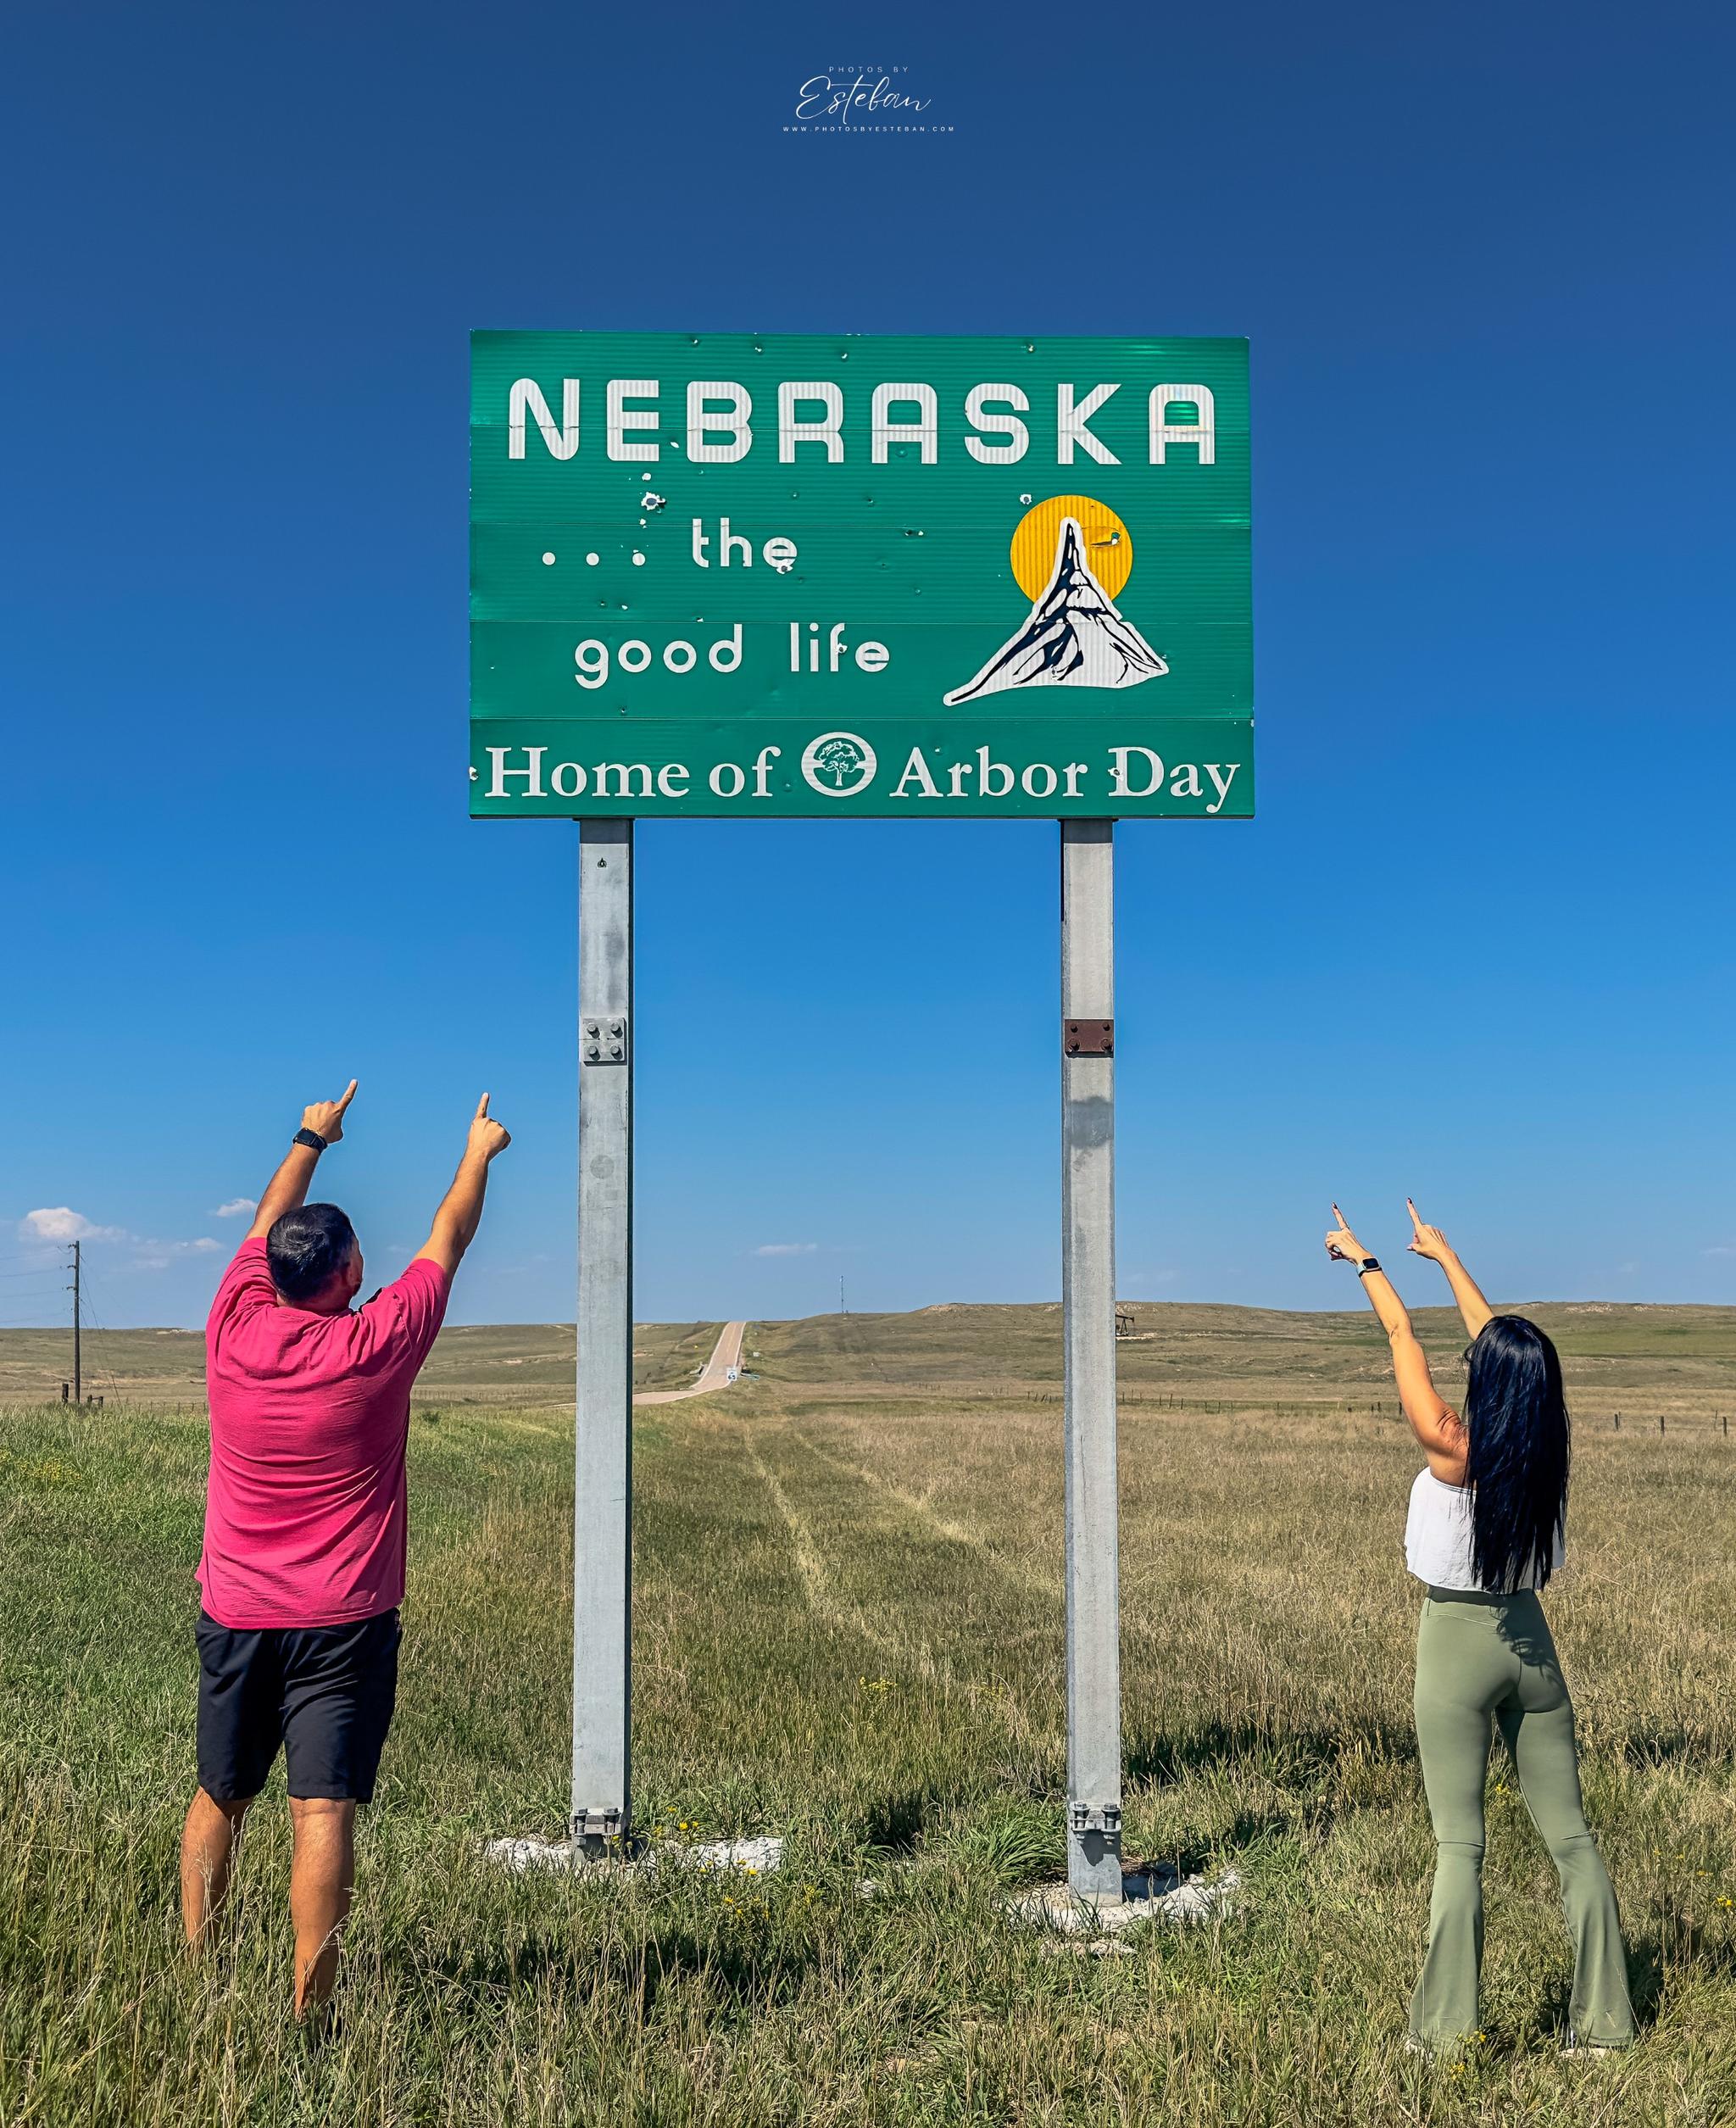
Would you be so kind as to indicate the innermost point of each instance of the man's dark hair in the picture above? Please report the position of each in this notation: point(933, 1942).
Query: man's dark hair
point(304, 1248)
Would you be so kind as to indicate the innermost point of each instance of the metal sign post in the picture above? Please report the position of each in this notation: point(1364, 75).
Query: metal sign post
point(1089, 1339)
point(603, 1448)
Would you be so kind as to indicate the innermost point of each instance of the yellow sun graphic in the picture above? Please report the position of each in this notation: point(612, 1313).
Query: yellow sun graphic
point(1109, 546)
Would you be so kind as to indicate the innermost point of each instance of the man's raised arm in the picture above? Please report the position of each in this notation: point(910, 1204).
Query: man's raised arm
point(287, 1190)
point(461, 1211)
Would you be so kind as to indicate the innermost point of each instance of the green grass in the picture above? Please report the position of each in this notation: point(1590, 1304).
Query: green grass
point(848, 1629)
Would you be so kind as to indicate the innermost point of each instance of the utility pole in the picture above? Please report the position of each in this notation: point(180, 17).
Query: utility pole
point(841, 1309)
point(78, 1388)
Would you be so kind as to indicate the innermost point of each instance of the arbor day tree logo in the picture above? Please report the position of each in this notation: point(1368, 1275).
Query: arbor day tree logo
point(839, 764)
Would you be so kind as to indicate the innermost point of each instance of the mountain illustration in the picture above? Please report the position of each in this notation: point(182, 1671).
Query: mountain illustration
point(1076, 637)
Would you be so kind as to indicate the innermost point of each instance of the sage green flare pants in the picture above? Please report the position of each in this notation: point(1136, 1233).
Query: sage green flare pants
point(1481, 1660)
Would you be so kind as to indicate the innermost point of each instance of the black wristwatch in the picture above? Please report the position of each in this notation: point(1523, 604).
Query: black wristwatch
point(1368, 1264)
point(309, 1138)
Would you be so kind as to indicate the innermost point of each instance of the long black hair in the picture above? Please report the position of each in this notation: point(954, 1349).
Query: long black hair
point(1518, 1437)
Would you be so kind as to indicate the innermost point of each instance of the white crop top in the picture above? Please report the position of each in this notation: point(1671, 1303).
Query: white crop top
point(1438, 1536)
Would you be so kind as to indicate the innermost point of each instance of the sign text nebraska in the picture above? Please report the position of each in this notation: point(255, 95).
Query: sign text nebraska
point(718, 415)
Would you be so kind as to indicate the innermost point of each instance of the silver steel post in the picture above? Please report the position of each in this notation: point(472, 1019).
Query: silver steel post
point(602, 1449)
point(1089, 1337)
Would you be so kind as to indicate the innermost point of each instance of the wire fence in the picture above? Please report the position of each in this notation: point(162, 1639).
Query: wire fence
point(1624, 1420)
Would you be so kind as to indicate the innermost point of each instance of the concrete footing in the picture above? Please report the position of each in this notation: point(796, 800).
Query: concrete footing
point(1157, 1894)
point(748, 1857)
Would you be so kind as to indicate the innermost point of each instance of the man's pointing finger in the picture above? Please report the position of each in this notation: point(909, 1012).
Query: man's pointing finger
point(481, 1108)
point(347, 1096)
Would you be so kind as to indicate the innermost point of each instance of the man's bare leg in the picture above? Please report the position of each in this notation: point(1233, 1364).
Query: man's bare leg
point(320, 1880)
point(209, 1840)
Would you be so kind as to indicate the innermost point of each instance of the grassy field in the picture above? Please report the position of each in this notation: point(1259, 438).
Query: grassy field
point(1669, 1361)
point(520, 1363)
point(848, 1630)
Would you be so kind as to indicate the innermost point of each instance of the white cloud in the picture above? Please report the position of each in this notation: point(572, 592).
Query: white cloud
point(787, 1249)
point(1719, 1249)
point(158, 1255)
point(52, 1226)
point(235, 1208)
point(60, 1222)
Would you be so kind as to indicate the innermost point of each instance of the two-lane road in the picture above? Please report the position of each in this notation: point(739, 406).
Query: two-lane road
point(726, 1354)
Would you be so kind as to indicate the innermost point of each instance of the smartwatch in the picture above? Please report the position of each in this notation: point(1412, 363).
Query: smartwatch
point(1368, 1264)
point(309, 1138)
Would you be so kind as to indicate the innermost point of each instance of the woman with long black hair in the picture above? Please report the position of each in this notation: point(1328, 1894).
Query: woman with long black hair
point(1485, 1532)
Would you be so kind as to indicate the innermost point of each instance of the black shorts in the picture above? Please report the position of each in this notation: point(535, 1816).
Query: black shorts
point(324, 1692)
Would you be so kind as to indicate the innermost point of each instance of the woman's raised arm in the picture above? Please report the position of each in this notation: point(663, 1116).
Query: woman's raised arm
point(1436, 1425)
point(1431, 1242)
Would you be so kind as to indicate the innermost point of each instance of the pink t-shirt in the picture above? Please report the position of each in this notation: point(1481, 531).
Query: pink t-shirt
point(305, 1510)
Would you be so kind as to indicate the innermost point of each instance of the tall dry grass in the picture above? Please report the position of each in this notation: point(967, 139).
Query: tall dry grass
point(850, 1629)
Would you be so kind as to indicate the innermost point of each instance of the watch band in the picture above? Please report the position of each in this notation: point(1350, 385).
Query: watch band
point(1368, 1264)
point(309, 1138)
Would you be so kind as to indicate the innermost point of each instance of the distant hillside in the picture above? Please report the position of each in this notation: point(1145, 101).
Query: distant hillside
point(506, 1363)
point(972, 1350)
point(1202, 1352)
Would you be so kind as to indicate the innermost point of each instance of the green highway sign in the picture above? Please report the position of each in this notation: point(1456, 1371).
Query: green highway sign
point(760, 574)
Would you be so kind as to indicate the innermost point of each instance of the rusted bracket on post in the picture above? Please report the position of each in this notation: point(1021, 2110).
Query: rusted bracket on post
point(1088, 1038)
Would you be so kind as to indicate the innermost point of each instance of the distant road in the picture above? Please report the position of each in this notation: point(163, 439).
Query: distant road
point(726, 1354)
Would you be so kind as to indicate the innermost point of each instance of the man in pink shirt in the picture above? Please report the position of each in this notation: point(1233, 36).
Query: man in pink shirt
point(303, 1566)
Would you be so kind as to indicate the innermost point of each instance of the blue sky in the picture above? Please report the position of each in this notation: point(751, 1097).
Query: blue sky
point(1476, 946)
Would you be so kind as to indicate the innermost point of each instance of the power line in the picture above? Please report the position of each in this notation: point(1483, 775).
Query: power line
point(96, 1325)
